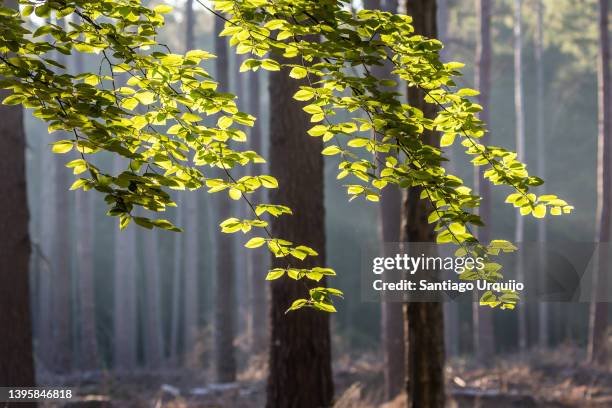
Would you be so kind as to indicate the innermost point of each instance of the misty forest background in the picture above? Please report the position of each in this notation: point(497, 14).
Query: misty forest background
point(140, 301)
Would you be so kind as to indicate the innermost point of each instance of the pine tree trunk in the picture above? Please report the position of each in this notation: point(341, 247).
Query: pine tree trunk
point(598, 322)
point(300, 373)
point(423, 321)
point(257, 262)
point(153, 339)
point(44, 321)
point(192, 247)
point(239, 210)
point(17, 362)
point(87, 310)
point(483, 316)
point(451, 309)
point(519, 111)
point(88, 348)
point(392, 326)
point(177, 292)
point(62, 277)
point(543, 308)
point(191, 225)
point(225, 359)
point(125, 323)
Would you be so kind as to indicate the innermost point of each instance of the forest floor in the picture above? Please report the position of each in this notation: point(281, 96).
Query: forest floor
point(556, 379)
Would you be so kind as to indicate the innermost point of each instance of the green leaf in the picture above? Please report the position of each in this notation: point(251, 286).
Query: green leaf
point(326, 307)
point(447, 139)
point(331, 150)
point(235, 194)
point(303, 95)
point(146, 98)
point(539, 211)
point(255, 242)
point(270, 65)
point(275, 274)
point(457, 228)
point(129, 103)
point(268, 181)
point(224, 122)
point(298, 72)
point(318, 130)
point(62, 146)
point(163, 8)
point(297, 304)
point(467, 92)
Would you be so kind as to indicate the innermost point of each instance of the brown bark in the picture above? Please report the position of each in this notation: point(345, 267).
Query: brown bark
point(483, 316)
point(17, 362)
point(225, 360)
point(257, 263)
point(300, 373)
point(424, 321)
point(598, 322)
point(389, 218)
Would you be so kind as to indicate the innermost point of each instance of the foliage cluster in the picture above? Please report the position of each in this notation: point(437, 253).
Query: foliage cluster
point(162, 112)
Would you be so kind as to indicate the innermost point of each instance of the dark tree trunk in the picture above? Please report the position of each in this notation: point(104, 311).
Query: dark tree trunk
point(300, 373)
point(392, 326)
point(17, 362)
point(598, 322)
point(483, 316)
point(424, 322)
point(257, 263)
point(225, 360)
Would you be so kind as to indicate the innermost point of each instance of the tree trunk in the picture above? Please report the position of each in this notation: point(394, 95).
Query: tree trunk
point(125, 323)
point(389, 218)
point(225, 359)
point(192, 241)
point(239, 210)
point(62, 277)
point(543, 315)
point(44, 321)
point(300, 373)
point(257, 263)
point(451, 309)
point(177, 269)
point(192, 248)
point(88, 356)
point(423, 321)
point(519, 111)
point(153, 339)
point(598, 322)
point(17, 365)
point(483, 316)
